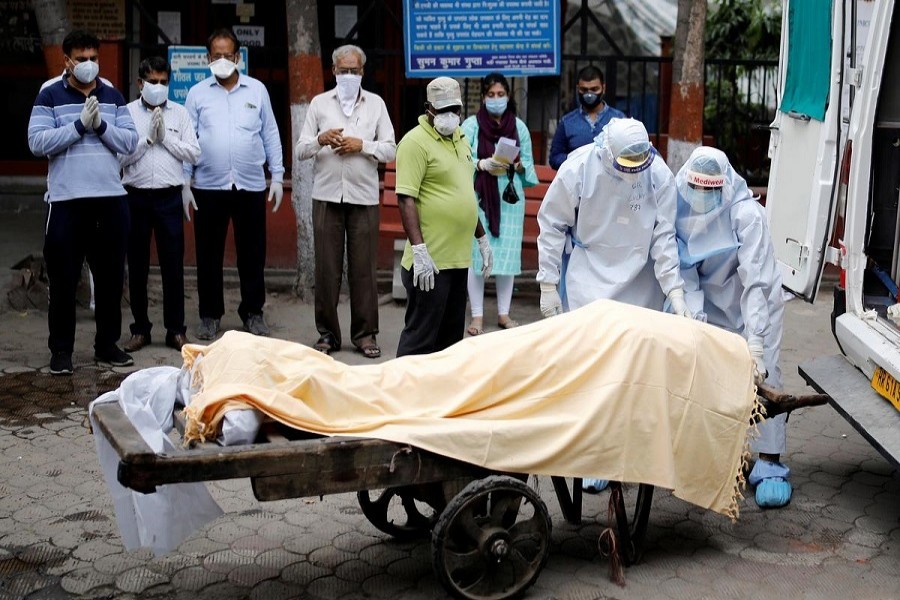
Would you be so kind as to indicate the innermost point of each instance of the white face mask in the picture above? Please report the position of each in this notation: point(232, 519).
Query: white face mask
point(86, 71)
point(348, 91)
point(222, 68)
point(154, 94)
point(446, 123)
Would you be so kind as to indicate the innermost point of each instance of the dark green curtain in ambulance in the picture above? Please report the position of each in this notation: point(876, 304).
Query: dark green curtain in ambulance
point(809, 58)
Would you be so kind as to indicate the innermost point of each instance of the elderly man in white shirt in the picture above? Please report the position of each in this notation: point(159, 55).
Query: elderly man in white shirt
point(348, 131)
point(153, 176)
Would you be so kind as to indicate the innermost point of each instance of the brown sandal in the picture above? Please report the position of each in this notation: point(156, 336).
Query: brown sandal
point(472, 330)
point(508, 325)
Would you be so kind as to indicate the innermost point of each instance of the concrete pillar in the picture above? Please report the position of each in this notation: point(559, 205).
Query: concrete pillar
point(686, 102)
point(305, 81)
point(53, 23)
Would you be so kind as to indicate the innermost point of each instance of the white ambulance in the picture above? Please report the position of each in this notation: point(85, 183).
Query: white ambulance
point(833, 197)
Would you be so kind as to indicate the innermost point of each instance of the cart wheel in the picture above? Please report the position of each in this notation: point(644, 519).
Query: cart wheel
point(402, 520)
point(492, 540)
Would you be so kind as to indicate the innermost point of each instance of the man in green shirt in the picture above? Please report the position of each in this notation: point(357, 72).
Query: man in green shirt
point(439, 213)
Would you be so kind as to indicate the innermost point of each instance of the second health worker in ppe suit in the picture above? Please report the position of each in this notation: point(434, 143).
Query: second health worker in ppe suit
point(732, 281)
point(613, 204)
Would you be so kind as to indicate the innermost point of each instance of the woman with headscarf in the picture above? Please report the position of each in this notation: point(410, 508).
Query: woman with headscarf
point(503, 221)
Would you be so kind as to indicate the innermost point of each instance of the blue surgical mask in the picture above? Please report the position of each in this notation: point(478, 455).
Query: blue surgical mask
point(496, 106)
point(702, 200)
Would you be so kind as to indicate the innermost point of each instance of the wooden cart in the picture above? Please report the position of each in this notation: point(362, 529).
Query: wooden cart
point(490, 531)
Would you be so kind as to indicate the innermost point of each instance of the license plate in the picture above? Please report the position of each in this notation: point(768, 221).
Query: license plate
point(885, 384)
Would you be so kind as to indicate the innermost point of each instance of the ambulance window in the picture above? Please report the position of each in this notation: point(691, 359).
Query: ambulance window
point(809, 60)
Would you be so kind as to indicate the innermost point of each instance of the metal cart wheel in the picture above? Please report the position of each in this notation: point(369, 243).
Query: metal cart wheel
point(396, 512)
point(492, 540)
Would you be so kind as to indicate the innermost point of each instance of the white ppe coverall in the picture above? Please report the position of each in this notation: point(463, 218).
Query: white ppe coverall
point(731, 276)
point(622, 227)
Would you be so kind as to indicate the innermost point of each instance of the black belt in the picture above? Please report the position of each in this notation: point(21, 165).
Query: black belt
point(134, 190)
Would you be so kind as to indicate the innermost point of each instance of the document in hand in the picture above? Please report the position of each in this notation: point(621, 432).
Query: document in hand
point(506, 151)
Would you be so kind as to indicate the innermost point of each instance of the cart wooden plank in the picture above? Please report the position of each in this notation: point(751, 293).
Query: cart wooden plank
point(288, 468)
point(850, 392)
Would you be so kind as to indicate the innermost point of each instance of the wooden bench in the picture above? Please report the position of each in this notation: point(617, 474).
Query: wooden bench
point(392, 237)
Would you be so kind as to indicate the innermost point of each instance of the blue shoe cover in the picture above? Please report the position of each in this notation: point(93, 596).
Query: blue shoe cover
point(773, 492)
point(594, 486)
point(764, 469)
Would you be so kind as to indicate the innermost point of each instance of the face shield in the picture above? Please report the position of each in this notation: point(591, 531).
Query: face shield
point(704, 180)
point(626, 145)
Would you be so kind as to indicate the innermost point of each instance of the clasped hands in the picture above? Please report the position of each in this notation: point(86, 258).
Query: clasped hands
point(157, 132)
point(341, 145)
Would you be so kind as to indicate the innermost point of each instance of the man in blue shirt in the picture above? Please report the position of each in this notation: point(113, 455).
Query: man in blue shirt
point(581, 126)
point(233, 118)
point(80, 122)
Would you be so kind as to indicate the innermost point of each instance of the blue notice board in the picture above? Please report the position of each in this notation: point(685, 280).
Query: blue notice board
point(190, 65)
point(471, 38)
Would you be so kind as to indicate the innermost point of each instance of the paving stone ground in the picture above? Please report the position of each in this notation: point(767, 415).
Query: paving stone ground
point(839, 537)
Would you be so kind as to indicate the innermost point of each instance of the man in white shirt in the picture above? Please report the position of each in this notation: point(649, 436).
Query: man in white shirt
point(348, 131)
point(153, 176)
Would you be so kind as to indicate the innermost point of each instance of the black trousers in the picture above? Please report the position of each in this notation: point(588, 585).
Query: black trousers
point(156, 213)
point(247, 213)
point(96, 229)
point(333, 223)
point(437, 319)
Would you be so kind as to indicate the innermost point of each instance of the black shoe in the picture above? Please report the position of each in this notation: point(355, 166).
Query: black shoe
point(256, 325)
point(61, 363)
point(208, 328)
point(114, 356)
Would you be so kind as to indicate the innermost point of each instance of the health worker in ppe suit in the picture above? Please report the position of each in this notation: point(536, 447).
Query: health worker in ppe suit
point(732, 281)
point(611, 208)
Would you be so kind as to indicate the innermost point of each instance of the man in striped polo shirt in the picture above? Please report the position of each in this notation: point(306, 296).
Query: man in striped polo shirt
point(80, 123)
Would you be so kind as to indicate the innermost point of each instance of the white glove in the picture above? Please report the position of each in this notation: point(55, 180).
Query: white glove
point(492, 166)
point(487, 256)
point(679, 307)
point(153, 132)
point(96, 123)
point(551, 303)
point(424, 268)
point(756, 351)
point(276, 191)
point(160, 126)
point(187, 199)
point(87, 113)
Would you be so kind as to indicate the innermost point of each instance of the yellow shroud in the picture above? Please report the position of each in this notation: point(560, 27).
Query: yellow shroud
point(609, 390)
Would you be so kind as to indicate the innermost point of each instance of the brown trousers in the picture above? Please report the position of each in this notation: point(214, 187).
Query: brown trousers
point(333, 223)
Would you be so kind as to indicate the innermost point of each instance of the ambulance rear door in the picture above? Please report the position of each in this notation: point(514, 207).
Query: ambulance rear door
point(807, 140)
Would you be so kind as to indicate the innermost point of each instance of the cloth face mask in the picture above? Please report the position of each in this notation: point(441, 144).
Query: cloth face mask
point(348, 91)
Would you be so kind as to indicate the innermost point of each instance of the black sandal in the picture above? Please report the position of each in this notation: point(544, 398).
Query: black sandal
point(327, 344)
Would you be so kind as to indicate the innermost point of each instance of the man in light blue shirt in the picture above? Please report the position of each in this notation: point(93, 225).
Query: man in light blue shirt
point(233, 118)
